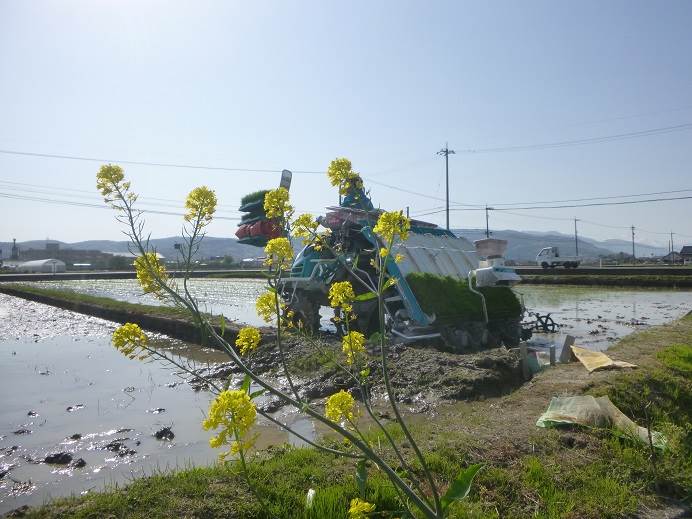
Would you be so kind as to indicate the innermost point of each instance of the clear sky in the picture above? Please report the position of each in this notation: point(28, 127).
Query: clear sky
point(272, 85)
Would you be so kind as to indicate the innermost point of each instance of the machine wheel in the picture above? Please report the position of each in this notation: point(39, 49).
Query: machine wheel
point(544, 265)
point(366, 322)
point(306, 313)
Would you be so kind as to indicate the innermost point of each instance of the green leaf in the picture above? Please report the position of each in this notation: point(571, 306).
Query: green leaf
point(246, 384)
point(361, 478)
point(223, 325)
point(461, 486)
point(366, 296)
point(257, 393)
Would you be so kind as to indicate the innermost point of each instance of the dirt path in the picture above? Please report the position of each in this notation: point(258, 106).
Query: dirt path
point(512, 418)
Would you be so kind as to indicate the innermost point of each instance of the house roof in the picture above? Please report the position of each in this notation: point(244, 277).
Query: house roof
point(687, 249)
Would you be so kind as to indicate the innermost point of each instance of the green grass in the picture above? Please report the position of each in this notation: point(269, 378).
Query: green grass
point(662, 396)
point(643, 280)
point(451, 300)
point(677, 358)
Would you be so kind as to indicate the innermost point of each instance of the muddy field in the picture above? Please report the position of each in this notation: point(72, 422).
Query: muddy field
point(78, 416)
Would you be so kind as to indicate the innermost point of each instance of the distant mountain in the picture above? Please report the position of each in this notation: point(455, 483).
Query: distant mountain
point(210, 247)
point(522, 246)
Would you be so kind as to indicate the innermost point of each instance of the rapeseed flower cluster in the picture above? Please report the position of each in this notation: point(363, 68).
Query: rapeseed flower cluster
point(234, 412)
point(305, 227)
point(279, 253)
point(266, 306)
point(340, 406)
point(200, 204)
point(390, 225)
point(360, 509)
point(109, 177)
point(276, 204)
point(130, 340)
point(353, 345)
point(340, 174)
point(151, 273)
point(248, 339)
point(341, 296)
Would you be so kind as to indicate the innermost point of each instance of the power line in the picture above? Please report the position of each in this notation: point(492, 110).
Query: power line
point(588, 199)
point(90, 192)
point(580, 142)
point(95, 206)
point(155, 164)
point(594, 204)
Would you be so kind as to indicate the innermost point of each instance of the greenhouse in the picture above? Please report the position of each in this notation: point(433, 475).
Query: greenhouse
point(50, 266)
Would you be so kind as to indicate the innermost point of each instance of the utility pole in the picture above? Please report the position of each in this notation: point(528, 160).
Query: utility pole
point(576, 240)
point(672, 247)
point(446, 152)
point(407, 212)
point(633, 256)
point(487, 226)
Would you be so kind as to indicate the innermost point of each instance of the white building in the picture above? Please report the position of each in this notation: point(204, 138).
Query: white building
point(46, 266)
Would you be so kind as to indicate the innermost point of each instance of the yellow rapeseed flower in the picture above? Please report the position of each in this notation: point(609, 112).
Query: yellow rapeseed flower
point(130, 340)
point(266, 307)
point(276, 204)
point(393, 224)
point(234, 413)
point(360, 509)
point(341, 295)
point(305, 227)
point(200, 203)
point(340, 174)
point(353, 345)
point(340, 406)
point(151, 273)
point(279, 253)
point(109, 177)
point(248, 339)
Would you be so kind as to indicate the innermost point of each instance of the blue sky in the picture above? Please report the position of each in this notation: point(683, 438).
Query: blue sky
point(272, 85)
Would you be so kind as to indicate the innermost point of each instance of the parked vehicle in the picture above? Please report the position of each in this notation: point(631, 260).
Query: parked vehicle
point(549, 257)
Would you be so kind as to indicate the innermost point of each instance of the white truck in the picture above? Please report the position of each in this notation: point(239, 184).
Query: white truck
point(550, 257)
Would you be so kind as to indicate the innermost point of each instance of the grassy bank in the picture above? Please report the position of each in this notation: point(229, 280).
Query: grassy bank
point(529, 472)
point(77, 298)
point(172, 321)
point(633, 280)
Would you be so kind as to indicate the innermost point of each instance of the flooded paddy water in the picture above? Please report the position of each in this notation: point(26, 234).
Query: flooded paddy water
point(67, 390)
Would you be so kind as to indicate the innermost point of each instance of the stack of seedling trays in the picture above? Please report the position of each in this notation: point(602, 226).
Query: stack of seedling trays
point(255, 228)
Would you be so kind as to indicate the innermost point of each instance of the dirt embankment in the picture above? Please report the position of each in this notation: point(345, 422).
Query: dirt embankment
point(622, 280)
point(160, 319)
point(422, 376)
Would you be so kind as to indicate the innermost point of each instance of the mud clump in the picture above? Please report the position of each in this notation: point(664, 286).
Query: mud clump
point(78, 463)
point(165, 433)
point(58, 458)
point(421, 374)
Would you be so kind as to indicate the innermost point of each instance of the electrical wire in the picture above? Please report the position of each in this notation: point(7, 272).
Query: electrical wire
point(581, 142)
point(95, 206)
point(91, 192)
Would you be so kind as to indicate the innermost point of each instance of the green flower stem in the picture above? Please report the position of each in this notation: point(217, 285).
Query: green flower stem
point(419, 502)
point(246, 473)
point(388, 385)
point(366, 402)
point(363, 447)
point(280, 344)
